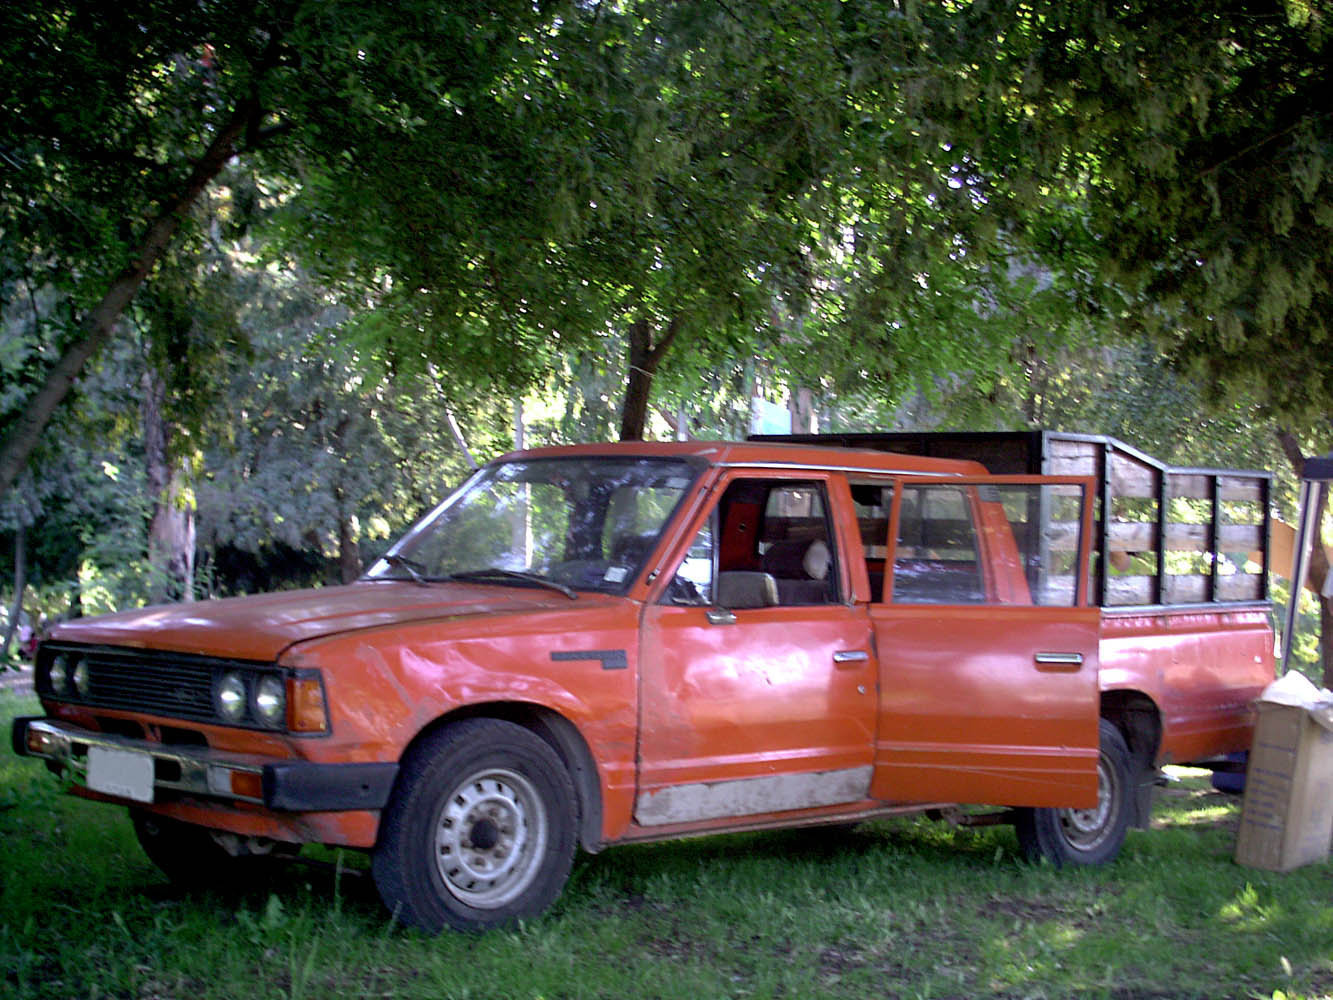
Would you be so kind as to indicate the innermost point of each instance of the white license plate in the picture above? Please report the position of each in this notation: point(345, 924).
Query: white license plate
point(121, 772)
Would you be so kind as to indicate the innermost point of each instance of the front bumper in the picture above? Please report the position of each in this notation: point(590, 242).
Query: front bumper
point(142, 771)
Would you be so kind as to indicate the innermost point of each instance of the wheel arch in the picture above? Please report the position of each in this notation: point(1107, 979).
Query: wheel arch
point(561, 735)
point(1139, 720)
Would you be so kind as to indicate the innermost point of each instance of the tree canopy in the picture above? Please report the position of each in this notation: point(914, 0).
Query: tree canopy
point(901, 209)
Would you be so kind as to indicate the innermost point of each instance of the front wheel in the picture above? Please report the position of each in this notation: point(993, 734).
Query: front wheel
point(1085, 836)
point(480, 830)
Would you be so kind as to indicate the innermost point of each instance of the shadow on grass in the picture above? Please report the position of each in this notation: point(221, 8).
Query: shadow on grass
point(325, 879)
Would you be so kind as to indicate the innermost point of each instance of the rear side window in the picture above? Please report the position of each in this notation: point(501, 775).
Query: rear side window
point(988, 543)
point(937, 559)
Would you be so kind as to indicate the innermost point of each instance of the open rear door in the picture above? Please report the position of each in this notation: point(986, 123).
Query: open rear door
point(987, 644)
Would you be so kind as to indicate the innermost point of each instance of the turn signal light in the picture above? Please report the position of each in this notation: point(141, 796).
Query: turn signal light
point(247, 784)
point(40, 743)
point(306, 712)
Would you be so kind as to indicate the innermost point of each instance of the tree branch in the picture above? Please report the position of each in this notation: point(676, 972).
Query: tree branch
point(97, 325)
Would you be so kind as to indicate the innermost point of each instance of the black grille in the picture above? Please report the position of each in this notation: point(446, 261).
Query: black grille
point(175, 685)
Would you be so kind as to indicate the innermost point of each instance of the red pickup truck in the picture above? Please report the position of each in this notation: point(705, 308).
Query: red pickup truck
point(615, 643)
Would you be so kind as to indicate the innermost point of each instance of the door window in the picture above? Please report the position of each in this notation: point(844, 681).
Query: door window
point(768, 543)
point(988, 543)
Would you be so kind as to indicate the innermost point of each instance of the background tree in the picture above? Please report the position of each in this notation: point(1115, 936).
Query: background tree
point(116, 120)
point(1200, 142)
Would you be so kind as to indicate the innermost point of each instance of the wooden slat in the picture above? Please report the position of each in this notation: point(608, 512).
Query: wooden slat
point(1230, 488)
point(1072, 465)
point(1128, 590)
point(1132, 479)
point(1240, 587)
point(1138, 536)
point(1057, 592)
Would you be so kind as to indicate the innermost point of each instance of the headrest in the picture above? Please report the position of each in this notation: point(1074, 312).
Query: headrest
point(791, 558)
point(817, 560)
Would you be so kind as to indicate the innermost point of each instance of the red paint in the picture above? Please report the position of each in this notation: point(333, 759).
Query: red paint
point(947, 704)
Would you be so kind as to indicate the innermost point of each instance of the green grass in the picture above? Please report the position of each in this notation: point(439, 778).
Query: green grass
point(895, 909)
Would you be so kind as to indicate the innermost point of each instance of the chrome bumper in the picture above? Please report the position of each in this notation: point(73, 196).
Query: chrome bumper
point(288, 785)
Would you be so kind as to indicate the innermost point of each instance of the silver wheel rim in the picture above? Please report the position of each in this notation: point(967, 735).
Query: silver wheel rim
point(1086, 829)
point(490, 837)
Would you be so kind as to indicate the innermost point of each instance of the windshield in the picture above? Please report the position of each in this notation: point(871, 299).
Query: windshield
point(581, 523)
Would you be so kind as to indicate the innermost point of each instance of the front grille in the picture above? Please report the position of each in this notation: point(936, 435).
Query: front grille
point(175, 685)
point(117, 680)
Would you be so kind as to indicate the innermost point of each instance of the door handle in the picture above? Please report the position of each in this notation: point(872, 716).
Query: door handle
point(1058, 661)
point(720, 616)
point(847, 658)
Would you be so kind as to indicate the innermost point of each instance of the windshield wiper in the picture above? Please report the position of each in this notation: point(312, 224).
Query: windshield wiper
point(494, 573)
point(413, 567)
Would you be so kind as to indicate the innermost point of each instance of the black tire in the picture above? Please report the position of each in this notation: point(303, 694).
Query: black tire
point(191, 857)
point(480, 830)
point(1085, 836)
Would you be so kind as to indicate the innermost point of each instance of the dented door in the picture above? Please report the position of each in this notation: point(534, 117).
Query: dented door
point(766, 705)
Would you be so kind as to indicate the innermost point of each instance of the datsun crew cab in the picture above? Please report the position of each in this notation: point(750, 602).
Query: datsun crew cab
point(608, 644)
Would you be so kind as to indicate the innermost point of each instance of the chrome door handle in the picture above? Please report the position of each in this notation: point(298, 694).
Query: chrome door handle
point(1058, 661)
point(850, 656)
point(720, 616)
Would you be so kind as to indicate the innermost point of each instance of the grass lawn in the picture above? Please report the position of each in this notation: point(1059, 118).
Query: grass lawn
point(902, 908)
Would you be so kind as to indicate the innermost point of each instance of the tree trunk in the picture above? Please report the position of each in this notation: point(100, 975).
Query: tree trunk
point(171, 532)
point(97, 325)
point(804, 419)
point(1319, 565)
point(645, 358)
point(349, 553)
point(20, 585)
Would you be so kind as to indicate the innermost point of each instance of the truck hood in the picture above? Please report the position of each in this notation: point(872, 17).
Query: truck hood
point(262, 626)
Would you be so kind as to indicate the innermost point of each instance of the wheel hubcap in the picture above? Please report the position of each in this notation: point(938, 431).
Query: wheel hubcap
point(1085, 829)
point(490, 837)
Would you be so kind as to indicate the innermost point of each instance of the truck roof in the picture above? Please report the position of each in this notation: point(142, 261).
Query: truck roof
point(770, 455)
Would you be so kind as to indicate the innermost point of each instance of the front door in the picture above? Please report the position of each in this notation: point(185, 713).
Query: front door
point(757, 674)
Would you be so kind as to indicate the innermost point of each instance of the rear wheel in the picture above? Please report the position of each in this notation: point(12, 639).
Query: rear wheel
point(1085, 836)
point(480, 830)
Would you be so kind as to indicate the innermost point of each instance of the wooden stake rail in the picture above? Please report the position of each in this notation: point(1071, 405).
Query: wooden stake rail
point(1166, 536)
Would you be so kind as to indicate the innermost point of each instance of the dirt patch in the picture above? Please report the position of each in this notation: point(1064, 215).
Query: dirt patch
point(18, 682)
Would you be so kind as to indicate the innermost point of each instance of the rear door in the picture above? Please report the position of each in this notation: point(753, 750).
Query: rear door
point(987, 646)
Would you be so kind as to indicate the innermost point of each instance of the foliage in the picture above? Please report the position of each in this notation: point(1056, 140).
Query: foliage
point(1199, 141)
point(168, 92)
point(320, 451)
point(906, 209)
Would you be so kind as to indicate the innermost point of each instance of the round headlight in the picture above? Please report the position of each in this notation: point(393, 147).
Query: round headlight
point(81, 679)
point(59, 674)
point(271, 700)
point(231, 697)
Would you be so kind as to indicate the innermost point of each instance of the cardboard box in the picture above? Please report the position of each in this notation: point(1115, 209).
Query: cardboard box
point(1286, 818)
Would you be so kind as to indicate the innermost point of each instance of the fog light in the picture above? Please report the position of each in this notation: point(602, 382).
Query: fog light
point(271, 700)
point(231, 697)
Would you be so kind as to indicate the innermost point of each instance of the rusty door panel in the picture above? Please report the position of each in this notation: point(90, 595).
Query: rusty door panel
point(766, 697)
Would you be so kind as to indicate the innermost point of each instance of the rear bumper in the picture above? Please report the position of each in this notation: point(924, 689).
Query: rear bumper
point(280, 785)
